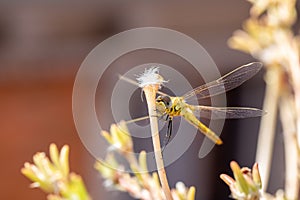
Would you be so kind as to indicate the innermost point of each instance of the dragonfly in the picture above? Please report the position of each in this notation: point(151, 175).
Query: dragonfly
point(175, 106)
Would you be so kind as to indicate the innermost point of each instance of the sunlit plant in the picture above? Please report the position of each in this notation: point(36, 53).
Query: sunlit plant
point(267, 35)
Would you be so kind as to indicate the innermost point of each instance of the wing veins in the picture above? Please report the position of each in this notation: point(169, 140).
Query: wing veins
point(227, 82)
point(226, 112)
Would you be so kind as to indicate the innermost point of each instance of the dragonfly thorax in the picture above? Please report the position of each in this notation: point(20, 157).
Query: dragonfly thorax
point(171, 106)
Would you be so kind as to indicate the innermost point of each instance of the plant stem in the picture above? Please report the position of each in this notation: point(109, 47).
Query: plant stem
point(150, 93)
point(290, 145)
point(266, 135)
point(294, 68)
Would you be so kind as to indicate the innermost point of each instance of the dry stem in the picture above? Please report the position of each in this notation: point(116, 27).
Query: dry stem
point(266, 135)
point(150, 92)
point(290, 145)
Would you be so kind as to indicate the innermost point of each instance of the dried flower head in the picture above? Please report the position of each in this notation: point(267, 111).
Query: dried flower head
point(182, 192)
point(54, 177)
point(150, 77)
point(246, 183)
point(119, 138)
point(47, 174)
point(140, 184)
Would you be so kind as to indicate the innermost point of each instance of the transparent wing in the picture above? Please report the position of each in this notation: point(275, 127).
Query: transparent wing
point(227, 82)
point(226, 112)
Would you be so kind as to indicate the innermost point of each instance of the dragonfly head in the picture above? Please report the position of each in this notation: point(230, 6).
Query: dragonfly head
point(165, 100)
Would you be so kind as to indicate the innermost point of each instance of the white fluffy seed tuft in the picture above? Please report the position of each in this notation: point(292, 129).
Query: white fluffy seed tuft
point(150, 77)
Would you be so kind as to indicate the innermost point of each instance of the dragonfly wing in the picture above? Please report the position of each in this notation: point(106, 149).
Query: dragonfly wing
point(226, 112)
point(227, 82)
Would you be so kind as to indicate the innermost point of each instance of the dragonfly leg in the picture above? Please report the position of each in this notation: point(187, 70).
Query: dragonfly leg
point(142, 96)
point(167, 118)
point(169, 132)
point(161, 116)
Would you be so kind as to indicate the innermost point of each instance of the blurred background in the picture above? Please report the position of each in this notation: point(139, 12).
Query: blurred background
point(42, 45)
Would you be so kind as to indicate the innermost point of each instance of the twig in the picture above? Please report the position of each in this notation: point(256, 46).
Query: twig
point(294, 71)
point(266, 135)
point(150, 92)
point(290, 145)
point(150, 82)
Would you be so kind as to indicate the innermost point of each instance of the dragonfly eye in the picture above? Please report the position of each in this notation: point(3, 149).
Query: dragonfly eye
point(166, 100)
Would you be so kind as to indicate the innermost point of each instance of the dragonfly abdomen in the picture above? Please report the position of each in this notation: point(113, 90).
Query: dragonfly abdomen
point(190, 117)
